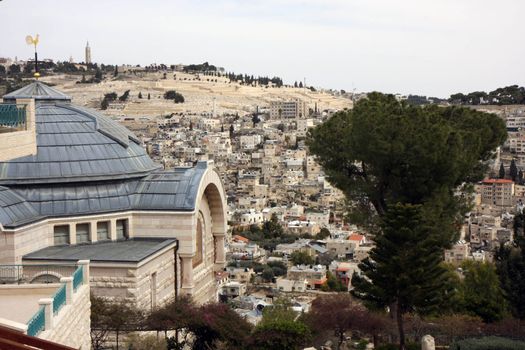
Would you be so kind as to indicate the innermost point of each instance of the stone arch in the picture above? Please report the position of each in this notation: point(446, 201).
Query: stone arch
point(211, 187)
point(46, 277)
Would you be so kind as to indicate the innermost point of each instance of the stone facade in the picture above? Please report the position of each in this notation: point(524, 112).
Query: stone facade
point(20, 143)
point(71, 326)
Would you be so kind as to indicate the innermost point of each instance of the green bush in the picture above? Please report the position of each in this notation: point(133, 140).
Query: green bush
point(488, 343)
point(409, 346)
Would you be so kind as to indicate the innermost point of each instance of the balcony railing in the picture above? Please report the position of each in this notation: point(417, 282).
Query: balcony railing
point(12, 117)
point(37, 323)
point(21, 274)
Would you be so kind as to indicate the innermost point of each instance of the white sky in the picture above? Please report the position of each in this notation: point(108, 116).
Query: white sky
point(431, 47)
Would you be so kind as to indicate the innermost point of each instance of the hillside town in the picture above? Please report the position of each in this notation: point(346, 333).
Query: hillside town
point(189, 206)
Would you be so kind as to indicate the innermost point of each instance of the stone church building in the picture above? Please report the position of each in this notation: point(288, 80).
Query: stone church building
point(86, 190)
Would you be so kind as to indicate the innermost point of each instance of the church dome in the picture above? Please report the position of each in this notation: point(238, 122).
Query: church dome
point(74, 144)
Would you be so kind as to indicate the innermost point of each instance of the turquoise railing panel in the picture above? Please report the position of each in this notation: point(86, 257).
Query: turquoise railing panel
point(37, 323)
point(78, 277)
point(59, 299)
point(12, 115)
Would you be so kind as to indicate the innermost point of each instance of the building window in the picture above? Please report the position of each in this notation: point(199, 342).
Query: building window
point(122, 229)
point(103, 231)
point(61, 234)
point(197, 259)
point(83, 233)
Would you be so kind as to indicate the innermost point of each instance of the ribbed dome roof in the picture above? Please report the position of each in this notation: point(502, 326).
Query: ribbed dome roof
point(39, 91)
point(75, 144)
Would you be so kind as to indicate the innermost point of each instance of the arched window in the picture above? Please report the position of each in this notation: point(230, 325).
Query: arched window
point(197, 259)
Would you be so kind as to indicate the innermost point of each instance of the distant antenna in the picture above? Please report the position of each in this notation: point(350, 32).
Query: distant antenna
point(34, 41)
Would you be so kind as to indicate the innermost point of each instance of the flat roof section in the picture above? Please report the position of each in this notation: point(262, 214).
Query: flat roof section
point(129, 251)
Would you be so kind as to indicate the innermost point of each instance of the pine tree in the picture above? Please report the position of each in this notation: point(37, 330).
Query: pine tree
point(501, 171)
point(513, 172)
point(232, 130)
point(520, 177)
point(149, 96)
point(404, 270)
point(116, 71)
point(140, 95)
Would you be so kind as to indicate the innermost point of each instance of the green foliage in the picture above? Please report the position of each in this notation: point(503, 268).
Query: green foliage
point(409, 346)
point(279, 329)
point(405, 266)
point(98, 76)
point(112, 96)
point(488, 343)
point(173, 95)
point(333, 284)
point(301, 258)
point(384, 151)
point(510, 265)
point(501, 171)
point(404, 270)
point(508, 95)
point(323, 233)
point(513, 172)
point(145, 342)
point(268, 274)
point(140, 94)
point(481, 291)
point(203, 67)
point(111, 316)
point(124, 96)
point(14, 69)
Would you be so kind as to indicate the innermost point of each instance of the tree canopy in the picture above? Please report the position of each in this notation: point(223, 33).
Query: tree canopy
point(384, 151)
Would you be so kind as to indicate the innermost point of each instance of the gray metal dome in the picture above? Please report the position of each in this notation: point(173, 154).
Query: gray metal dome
point(75, 144)
point(39, 91)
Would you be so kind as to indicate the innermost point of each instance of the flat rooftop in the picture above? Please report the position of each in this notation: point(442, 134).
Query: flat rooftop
point(127, 251)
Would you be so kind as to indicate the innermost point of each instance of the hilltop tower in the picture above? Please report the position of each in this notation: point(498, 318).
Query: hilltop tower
point(88, 53)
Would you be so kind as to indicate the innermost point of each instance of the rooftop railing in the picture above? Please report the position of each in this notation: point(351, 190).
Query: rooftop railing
point(12, 117)
point(41, 273)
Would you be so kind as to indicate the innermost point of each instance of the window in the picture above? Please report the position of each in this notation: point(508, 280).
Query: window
point(153, 290)
point(197, 259)
point(103, 231)
point(61, 234)
point(122, 229)
point(83, 233)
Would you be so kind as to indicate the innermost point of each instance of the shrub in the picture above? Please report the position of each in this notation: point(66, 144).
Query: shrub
point(488, 343)
point(409, 346)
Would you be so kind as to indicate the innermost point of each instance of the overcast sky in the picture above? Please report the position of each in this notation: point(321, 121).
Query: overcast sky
point(431, 47)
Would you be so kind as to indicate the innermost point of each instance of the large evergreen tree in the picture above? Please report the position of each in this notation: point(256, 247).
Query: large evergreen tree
point(405, 170)
point(404, 270)
point(510, 264)
point(501, 171)
point(384, 151)
point(513, 172)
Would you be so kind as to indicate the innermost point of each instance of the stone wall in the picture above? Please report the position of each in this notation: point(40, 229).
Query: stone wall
point(72, 325)
point(20, 143)
point(133, 282)
point(163, 266)
point(15, 244)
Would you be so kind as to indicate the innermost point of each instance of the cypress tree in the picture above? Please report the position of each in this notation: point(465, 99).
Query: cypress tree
point(501, 171)
point(513, 172)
